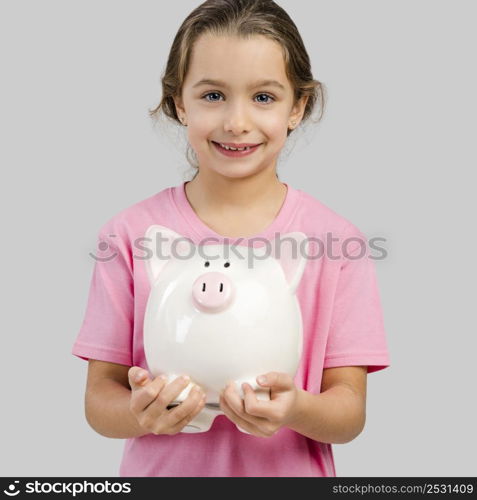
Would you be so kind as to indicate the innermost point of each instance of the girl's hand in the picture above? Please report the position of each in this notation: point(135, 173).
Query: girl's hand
point(258, 417)
point(150, 398)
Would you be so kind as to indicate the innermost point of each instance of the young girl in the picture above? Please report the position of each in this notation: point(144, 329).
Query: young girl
point(237, 74)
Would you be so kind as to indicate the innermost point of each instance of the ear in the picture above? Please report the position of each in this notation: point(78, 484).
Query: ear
point(179, 104)
point(162, 242)
point(299, 109)
point(291, 251)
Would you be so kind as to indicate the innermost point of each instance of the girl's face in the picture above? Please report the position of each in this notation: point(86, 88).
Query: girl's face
point(237, 107)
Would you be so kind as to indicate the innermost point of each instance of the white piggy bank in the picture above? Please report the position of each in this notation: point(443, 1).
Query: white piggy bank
point(220, 317)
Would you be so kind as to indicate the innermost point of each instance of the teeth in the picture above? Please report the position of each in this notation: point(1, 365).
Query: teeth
point(234, 149)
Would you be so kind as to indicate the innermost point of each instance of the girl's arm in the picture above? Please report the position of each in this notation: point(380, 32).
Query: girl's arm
point(107, 400)
point(123, 402)
point(338, 413)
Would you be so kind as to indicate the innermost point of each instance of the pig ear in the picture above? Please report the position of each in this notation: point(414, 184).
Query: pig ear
point(291, 251)
point(159, 257)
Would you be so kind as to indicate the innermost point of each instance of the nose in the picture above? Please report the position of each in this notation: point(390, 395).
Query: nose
point(237, 120)
point(212, 292)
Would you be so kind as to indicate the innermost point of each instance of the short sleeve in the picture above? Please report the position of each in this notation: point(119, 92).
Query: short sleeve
point(356, 335)
point(107, 328)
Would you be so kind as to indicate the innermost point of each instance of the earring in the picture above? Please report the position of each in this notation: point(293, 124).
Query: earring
point(293, 125)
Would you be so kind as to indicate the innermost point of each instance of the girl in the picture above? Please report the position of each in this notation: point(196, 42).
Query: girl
point(237, 75)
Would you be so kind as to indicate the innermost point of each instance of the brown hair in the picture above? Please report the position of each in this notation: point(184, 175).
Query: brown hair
point(244, 19)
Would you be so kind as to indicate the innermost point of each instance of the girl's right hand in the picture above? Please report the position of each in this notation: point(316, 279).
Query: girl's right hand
point(150, 399)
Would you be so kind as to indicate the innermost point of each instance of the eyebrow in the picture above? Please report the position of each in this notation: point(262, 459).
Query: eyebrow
point(218, 83)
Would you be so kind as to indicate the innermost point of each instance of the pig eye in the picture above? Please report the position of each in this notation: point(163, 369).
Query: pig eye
point(227, 264)
point(207, 264)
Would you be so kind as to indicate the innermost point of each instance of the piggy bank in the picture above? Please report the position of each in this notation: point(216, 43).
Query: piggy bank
point(221, 314)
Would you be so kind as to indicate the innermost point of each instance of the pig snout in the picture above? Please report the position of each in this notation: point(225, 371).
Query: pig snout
point(212, 292)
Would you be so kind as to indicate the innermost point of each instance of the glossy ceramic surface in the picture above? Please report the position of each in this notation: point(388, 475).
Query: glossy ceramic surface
point(218, 316)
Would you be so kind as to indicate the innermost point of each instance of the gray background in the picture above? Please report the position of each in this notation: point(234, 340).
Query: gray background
point(395, 154)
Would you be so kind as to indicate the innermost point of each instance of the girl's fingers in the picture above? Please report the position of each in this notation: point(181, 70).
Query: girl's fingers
point(145, 391)
point(236, 419)
point(237, 404)
point(166, 395)
point(256, 407)
point(182, 414)
point(149, 392)
point(137, 376)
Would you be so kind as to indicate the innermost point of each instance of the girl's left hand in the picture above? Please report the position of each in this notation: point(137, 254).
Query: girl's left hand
point(258, 417)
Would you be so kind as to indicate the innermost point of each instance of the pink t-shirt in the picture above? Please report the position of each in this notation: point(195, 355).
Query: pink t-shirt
point(342, 326)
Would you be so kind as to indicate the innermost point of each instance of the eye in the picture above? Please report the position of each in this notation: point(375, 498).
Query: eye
point(227, 264)
point(217, 93)
point(269, 96)
point(207, 264)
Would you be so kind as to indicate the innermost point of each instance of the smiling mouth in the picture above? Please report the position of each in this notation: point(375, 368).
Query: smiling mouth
point(247, 148)
point(229, 153)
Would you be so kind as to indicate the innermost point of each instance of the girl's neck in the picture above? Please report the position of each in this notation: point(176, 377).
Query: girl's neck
point(214, 193)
